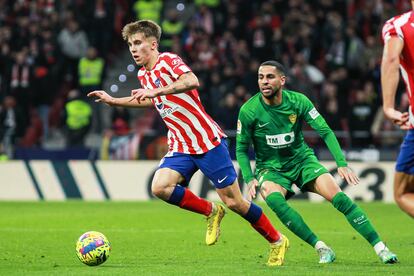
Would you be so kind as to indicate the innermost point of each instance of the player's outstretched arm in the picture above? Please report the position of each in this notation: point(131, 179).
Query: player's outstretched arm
point(102, 96)
point(390, 77)
point(184, 83)
point(349, 175)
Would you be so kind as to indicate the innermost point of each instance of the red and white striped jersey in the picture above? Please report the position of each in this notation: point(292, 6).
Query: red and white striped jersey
point(402, 26)
point(190, 129)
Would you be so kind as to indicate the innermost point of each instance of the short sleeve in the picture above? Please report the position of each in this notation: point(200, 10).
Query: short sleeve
point(175, 65)
point(389, 30)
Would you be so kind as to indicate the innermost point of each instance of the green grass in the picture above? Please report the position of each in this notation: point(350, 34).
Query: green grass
point(153, 238)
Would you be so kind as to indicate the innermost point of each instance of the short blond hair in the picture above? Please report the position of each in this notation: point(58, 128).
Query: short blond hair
point(148, 27)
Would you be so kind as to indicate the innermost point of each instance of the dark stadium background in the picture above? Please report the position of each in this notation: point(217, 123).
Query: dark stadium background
point(331, 49)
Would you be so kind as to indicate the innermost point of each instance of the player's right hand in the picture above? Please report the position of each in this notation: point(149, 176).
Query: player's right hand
point(101, 96)
point(398, 118)
point(252, 189)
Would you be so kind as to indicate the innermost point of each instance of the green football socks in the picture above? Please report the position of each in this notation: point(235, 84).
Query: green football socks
point(356, 217)
point(289, 217)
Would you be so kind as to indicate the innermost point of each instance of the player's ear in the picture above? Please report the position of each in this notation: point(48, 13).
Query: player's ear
point(282, 80)
point(154, 44)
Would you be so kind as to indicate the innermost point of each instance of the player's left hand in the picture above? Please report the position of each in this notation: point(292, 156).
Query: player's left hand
point(252, 189)
point(142, 94)
point(349, 175)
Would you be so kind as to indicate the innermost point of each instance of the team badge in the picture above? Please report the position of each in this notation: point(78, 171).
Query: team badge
point(157, 82)
point(292, 118)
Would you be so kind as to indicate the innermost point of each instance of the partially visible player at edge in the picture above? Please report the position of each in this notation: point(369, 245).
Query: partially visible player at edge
point(398, 53)
point(272, 121)
point(195, 140)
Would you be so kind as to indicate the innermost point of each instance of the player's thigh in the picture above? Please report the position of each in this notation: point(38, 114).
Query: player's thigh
point(217, 165)
point(166, 177)
point(325, 186)
point(173, 170)
point(269, 187)
point(271, 181)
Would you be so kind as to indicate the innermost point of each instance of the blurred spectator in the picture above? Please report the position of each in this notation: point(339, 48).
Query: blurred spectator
point(74, 44)
point(228, 113)
point(172, 27)
point(77, 117)
point(360, 118)
point(336, 43)
point(148, 9)
point(91, 70)
point(330, 106)
point(120, 119)
point(259, 39)
point(157, 148)
point(21, 86)
point(100, 23)
point(12, 125)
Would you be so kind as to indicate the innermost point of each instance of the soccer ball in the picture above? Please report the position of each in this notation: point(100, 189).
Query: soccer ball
point(93, 248)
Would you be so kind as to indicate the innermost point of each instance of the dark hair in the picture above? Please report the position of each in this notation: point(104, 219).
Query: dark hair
point(147, 27)
point(279, 67)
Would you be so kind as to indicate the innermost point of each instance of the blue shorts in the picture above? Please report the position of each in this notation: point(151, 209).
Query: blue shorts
point(405, 160)
point(216, 164)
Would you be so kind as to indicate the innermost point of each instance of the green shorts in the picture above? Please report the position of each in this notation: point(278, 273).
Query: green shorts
point(304, 172)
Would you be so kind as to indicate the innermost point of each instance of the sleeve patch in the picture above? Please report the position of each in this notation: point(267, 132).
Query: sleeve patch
point(314, 113)
point(239, 127)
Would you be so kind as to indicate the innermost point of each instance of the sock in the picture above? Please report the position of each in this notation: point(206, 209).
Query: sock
point(277, 202)
point(356, 217)
point(185, 199)
point(261, 223)
point(319, 245)
point(379, 246)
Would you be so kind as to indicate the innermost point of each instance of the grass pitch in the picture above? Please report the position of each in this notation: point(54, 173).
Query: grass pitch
point(153, 238)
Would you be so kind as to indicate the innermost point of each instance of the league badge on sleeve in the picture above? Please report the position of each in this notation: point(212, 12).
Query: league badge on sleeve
point(314, 113)
point(239, 127)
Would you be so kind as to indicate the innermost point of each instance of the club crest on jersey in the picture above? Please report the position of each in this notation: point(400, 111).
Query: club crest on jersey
point(157, 83)
point(292, 118)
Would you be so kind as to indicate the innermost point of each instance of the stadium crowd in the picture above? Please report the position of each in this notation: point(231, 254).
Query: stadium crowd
point(331, 49)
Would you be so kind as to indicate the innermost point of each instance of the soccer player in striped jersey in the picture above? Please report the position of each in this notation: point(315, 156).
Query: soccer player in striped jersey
point(272, 121)
point(195, 140)
point(398, 54)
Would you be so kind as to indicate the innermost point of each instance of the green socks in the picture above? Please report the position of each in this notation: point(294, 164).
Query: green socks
point(290, 218)
point(356, 217)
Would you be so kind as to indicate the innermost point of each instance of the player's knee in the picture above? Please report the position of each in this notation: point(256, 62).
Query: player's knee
point(277, 202)
point(159, 190)
point(233, 204)
point(397, 198)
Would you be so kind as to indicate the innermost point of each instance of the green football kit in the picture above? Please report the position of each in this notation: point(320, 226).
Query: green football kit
point(282, 156)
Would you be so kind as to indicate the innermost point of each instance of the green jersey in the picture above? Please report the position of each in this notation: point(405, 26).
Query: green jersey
point(276, 133)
